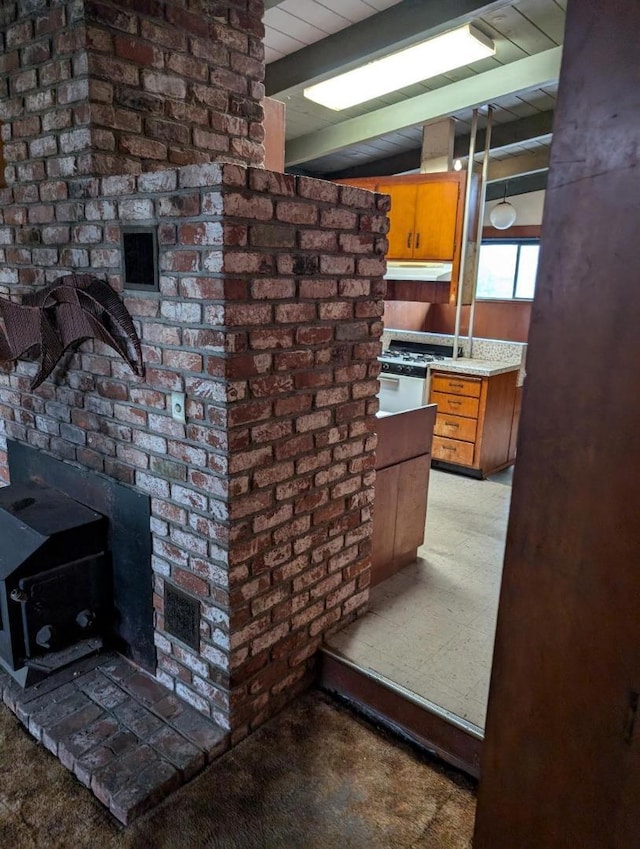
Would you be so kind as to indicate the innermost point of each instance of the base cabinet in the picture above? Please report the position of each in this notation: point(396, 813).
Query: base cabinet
point(403, 462)
point(401, 505)
point(473, 430)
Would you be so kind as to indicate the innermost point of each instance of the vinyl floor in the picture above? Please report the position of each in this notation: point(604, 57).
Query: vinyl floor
point(431, 627)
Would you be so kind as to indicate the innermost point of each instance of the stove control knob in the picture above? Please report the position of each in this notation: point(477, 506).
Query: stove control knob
point(85, 619)
point(385, 366)
point(45, 636)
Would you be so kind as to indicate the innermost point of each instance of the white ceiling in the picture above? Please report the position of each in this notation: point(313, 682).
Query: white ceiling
point(294, 24)
point(520, 29)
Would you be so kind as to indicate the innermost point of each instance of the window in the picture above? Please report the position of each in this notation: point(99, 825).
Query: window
point(507, 268)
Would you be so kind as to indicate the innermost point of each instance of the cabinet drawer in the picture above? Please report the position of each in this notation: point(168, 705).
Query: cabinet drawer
point(457, 405)
point(456, 385)
point(455, 427)
point(452, 451)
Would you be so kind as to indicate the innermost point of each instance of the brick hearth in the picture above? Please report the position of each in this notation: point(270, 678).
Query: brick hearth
point(117, 730)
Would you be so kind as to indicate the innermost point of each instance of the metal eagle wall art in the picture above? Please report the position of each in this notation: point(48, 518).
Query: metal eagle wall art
point(52, 320)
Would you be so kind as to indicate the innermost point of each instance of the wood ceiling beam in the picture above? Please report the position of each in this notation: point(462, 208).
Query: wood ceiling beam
point(516, 166)
point(405, 23)
point(503, 135)
point(518, 185)
point(531, 72)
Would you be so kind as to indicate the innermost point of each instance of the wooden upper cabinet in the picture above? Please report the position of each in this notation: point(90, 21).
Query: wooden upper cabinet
point(402, 219)
point(425, 224)
point(436, 218)
point(426, 214)
point(424, 217)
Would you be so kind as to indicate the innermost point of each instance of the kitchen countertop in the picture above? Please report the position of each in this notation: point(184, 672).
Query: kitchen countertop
point(491, 356)
point(481, 368)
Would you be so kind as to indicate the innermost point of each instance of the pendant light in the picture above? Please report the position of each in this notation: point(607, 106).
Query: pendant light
point(503, 214)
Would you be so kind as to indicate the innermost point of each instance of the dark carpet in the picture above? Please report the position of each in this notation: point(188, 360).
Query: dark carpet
point(315, 777)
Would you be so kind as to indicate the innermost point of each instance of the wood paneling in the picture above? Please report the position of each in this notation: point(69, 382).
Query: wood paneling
point(274, 127)
point(561, 759)
point(420, 291)
point(517, 231)
point(507, 320)
point(406, 315)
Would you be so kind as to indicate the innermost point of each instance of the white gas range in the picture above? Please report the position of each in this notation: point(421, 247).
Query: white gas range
point(404, 374)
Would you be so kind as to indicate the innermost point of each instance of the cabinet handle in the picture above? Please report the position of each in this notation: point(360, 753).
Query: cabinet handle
point(448, 448)
point(417, 240)
point(456, 385)
point(409, 235)
point(451, 424)
point(454, 403)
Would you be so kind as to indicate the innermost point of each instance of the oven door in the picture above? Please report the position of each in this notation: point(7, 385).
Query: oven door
point(399, 392)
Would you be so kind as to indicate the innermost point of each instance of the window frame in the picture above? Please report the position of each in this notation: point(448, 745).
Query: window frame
point(508, 240)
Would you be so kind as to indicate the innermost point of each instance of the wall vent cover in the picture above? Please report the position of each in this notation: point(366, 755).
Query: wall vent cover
point(182, 616)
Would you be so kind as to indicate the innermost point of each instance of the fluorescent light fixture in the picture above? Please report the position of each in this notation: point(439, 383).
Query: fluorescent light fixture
point(428, 59)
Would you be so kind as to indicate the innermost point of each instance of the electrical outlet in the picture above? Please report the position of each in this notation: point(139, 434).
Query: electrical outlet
point(178, 405)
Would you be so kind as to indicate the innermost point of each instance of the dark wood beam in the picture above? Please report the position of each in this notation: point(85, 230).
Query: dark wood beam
point(506, 135)
point(518, 185)
point(403, 24)
point(503, 135)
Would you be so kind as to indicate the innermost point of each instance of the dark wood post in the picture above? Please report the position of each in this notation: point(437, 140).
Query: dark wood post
point(561, 760)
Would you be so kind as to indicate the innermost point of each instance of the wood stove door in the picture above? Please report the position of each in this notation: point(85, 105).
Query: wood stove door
point(65, 604)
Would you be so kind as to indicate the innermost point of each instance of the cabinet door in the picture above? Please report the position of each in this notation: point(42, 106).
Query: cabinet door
point(436, 215)
point(413, 485)
point(384, 524)
point(402, 216)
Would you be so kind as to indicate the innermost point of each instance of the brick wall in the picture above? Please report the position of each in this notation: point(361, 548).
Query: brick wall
point(268, 317)
point(96, 87)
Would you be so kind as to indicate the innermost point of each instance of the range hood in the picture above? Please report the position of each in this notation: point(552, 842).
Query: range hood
point(419, 271)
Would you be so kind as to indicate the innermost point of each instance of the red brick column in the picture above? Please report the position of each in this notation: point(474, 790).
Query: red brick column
point(302, 265)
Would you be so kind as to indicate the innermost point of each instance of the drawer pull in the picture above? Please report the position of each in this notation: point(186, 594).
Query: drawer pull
point(389, 379)
point(448, 448)
point(456, 385)
point(454, 403)
point(451, 424)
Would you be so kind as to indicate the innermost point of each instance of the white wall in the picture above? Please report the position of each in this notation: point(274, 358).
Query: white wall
point(528, 208)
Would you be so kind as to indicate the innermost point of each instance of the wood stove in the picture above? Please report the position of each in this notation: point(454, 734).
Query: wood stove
point(55, 583)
